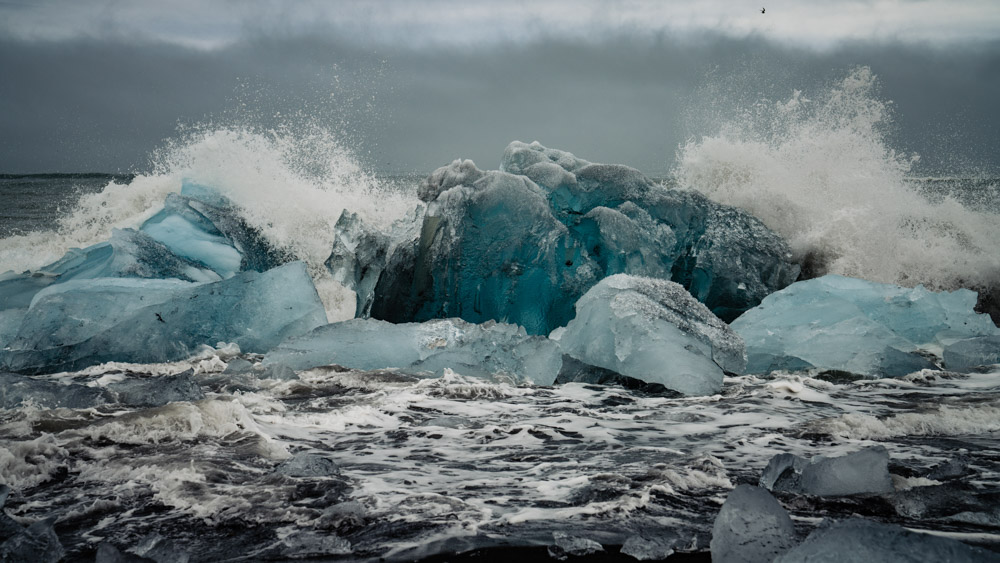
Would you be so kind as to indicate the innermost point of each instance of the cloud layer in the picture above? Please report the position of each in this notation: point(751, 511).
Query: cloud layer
point(411, 86)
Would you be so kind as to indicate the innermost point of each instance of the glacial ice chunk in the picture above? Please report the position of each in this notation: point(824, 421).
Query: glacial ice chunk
point(655, 331)
point(566, 545)
point(972, 352)
point(489, 249)
point(484, 350)
point(863, 541)
point(651, 548)
point(83, 323)
point(305, 464)
point(751, 527)
point(522, 244)
point(863, 327)
point(362, 253)
point(862, 472)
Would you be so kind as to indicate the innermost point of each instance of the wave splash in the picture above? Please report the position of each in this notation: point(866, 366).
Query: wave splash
point(290, 183)
point(822, 173)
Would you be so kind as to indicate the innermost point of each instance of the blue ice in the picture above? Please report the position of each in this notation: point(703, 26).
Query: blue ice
point(522, 244)
point(84, 322)
point(874, 329)
point(655, 331)
point(490, 350)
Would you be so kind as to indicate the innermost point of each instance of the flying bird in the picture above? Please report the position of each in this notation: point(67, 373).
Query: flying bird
point(762, 10)
point(159, 318)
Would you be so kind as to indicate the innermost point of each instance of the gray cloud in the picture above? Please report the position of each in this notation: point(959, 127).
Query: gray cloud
point(209, 25)
point(104, 104)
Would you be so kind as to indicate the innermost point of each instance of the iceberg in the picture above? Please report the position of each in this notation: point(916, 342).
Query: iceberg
point(868, 328)
point(654, 331)
point(751, 527)
point(84, 322)
point(486, 350)
point(862, 472)
point(202, 225)
point(521, 244)
point(862, 541)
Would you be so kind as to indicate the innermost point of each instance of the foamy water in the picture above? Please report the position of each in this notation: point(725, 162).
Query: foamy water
point(431, 465)
point(819, 169)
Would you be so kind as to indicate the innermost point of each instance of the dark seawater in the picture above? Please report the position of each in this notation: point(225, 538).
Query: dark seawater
point(34, 201)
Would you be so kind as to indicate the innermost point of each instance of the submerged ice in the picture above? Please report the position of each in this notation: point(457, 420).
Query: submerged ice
point(484, 350)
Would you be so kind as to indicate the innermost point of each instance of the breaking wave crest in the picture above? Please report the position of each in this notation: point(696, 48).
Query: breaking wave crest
point(290, 183)
point(821, 172)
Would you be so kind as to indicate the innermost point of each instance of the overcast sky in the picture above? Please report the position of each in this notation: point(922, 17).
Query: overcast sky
point(411, 85)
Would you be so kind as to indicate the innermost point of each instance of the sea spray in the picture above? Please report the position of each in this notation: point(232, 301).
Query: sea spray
point(291, 184)
point(821, 172)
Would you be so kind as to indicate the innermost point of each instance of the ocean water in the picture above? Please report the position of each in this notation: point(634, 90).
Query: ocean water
point(458, 467)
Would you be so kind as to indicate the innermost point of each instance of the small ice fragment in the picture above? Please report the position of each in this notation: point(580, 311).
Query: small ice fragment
point(308, 465)
point(751, 527)
point(645, 548)
point(862, 472)
point(567, 545)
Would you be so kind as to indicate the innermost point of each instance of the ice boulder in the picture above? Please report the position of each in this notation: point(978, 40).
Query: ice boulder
point(862, 541)
point(76, 324)
point(654, 331)
point(522, 244)
point(751, 527)
point(874, 329)
point(486, 350)
point(490, 249)
point(862, 472)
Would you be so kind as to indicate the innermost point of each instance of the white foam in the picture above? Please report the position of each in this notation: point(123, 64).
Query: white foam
point(30, 462)
point(822, 173)
point(943, 421)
